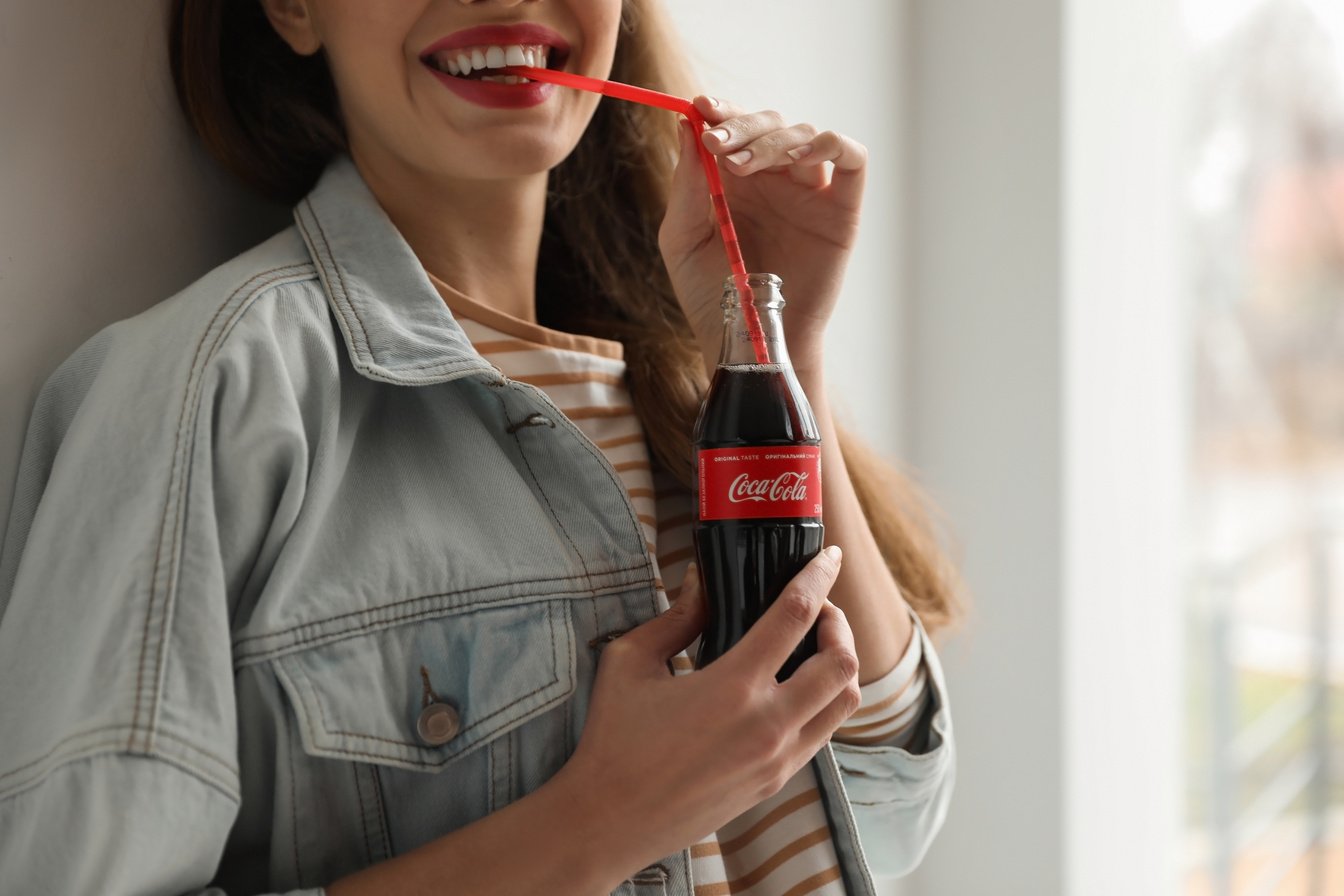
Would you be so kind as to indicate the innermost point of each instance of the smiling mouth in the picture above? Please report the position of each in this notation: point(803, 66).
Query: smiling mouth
point(475, 63)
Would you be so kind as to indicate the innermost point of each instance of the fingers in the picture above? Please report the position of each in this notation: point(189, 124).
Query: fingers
point(771, 150)
point(770, 640)
point(812, 691)
point(848, 154)
point(714, 109)
point(819, 730)
point(652, 644)
point(849, 157)
point(759, 141)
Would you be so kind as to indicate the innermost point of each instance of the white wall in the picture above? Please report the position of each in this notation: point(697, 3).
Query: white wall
point(1045, 405)
point(1126, 356)
point(106, 205)
point(985, 418)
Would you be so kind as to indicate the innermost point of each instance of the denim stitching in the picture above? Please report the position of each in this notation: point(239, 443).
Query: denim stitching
point(298, 645)
point(169, 603)
point(200, 774)
point(545, 497)
point(293, 803)
point(330, 259)
point(425, 597)
point(363, 817)
point(603, 464)
point(56, 749)
point(346, 302)
point(299, 673)
point(382, 813)
point(227, 786)
point(193, 379)
point(144, 640)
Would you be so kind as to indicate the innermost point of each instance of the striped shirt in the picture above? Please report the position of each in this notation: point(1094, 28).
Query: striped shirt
point(782, 846)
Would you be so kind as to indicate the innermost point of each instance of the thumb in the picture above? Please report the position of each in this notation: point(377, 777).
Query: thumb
point(689, 221)
point(673, 630)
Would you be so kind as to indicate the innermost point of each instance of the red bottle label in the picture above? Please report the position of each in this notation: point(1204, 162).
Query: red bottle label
point(755, 483)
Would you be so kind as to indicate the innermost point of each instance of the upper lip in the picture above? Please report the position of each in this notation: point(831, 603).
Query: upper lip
point(524, 33)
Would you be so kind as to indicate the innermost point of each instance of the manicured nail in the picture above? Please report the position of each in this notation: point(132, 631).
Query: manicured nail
point(800, 152)
point(741, 157)
point(834, 552)
point(719, 134)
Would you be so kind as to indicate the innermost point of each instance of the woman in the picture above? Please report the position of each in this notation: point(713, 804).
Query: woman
point(337, 570)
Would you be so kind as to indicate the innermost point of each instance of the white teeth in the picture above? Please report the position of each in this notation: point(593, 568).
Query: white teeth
point(462, 62)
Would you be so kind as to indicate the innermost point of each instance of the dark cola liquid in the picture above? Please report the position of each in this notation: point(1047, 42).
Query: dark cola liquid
point(745, 563)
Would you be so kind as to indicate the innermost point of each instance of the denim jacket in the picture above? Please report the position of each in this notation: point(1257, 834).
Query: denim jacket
point(257, 530)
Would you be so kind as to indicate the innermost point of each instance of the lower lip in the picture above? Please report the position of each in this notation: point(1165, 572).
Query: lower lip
point(493, 95)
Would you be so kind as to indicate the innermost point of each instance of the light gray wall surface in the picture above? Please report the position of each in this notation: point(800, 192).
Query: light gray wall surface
point(107, 206)
point(985, 418)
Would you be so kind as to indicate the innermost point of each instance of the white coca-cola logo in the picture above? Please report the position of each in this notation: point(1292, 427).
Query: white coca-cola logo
point(784, 487)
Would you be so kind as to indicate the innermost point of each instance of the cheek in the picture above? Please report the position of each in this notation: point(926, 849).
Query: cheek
point(364, 45)
point(603, 28)
point(370, 84)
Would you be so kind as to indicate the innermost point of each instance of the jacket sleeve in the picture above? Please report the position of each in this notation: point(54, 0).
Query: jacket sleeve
point(130, 529)
point(899, 795)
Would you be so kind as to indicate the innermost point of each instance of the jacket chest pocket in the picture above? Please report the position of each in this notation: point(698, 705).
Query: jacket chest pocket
point(444, 720)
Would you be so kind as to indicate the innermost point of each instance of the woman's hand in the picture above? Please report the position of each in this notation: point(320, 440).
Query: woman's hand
point(795, 195)
point(666, 760)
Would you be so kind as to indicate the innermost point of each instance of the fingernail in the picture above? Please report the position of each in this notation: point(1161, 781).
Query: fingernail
point(713, 102)
point(800, 152)
point(741, 157)
point(719, 134)
point(834, 552)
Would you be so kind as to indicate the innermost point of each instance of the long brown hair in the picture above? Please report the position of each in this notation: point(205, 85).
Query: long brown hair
point(272, 117)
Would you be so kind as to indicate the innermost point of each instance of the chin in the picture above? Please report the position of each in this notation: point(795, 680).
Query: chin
point(518, 157)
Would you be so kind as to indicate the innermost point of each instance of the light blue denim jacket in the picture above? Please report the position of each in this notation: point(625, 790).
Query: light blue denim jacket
point(247, 519)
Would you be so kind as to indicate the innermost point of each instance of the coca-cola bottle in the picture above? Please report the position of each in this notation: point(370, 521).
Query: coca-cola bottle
point(758, 495)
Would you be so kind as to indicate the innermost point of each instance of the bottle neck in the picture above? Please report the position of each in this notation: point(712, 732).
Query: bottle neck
point(738, 343)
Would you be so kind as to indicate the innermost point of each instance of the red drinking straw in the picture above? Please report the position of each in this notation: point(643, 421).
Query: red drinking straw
point(646, 97)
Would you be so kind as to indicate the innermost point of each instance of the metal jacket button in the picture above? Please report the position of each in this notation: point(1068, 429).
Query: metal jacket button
point(438, 724)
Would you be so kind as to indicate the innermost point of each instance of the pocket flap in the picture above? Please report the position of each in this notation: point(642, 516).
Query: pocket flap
point(360, 698)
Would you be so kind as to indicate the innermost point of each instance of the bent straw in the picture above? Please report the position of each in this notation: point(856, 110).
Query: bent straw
point(727, 231)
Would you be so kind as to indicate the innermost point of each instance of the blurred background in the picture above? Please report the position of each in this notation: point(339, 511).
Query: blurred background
point(1098, 309)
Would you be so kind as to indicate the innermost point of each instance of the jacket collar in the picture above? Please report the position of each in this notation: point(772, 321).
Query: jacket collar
point(396, 327)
